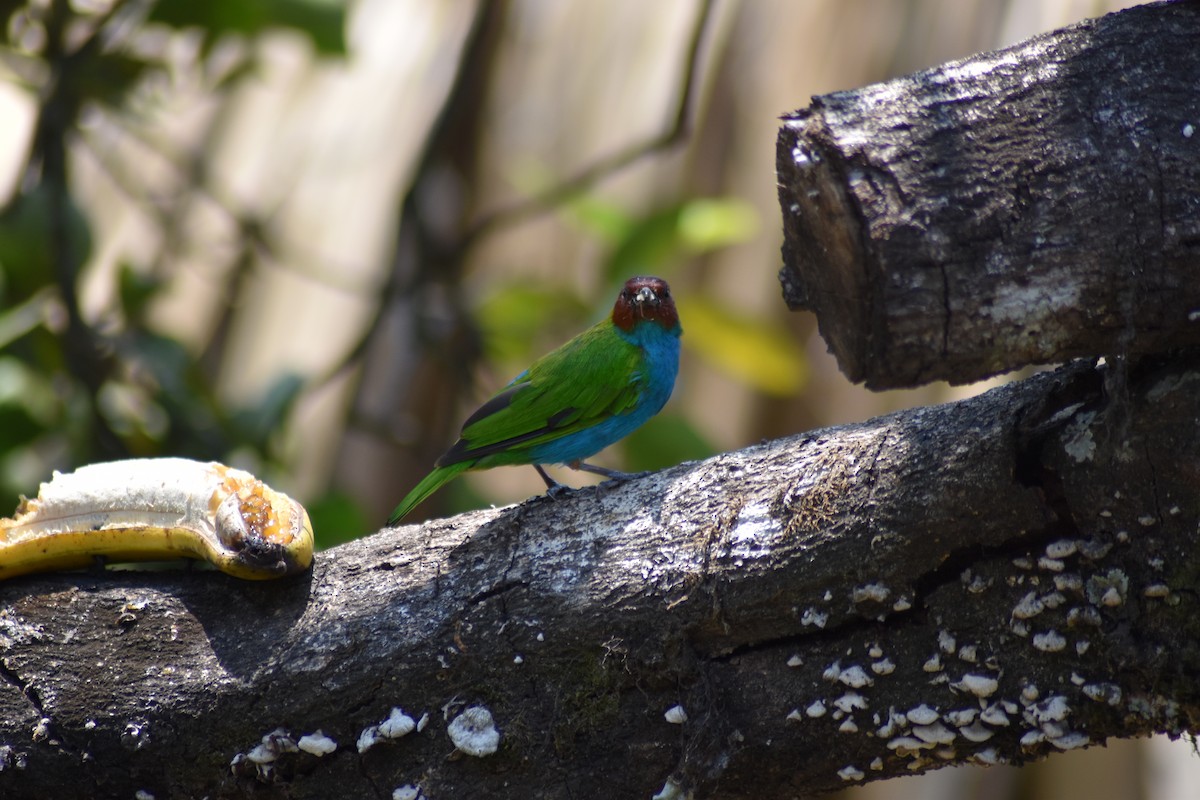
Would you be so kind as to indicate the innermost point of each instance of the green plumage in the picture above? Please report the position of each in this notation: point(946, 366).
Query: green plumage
point(591, 377)
point(428, 485)
point(588, 379)
point(576, 400)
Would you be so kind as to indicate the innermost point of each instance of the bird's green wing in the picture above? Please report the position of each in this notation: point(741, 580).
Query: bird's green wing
point(588, 379)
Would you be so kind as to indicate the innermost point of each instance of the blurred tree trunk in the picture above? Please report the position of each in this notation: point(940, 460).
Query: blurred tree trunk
point(414, 400)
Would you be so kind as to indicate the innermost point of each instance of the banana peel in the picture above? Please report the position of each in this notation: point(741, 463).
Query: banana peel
point(157, 509)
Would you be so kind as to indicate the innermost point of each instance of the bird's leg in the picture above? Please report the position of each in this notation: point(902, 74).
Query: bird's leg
point(550, 482)
point(553, 488)
point(610, 474)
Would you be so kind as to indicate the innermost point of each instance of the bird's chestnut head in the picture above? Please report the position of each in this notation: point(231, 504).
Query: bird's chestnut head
point(645, 298)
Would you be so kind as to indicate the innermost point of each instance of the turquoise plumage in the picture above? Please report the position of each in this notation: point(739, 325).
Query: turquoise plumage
point(575, 401)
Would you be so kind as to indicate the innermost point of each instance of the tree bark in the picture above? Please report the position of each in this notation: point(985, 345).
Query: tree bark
point(1024, 206)
point(1043, 598)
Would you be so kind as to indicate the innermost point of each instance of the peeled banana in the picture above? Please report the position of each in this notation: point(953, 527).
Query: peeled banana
point(157, 509)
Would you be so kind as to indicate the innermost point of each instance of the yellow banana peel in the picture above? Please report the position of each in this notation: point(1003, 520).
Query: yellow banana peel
point(156, 509)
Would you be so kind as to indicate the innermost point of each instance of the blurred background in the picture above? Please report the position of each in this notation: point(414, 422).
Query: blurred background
point(307, 237)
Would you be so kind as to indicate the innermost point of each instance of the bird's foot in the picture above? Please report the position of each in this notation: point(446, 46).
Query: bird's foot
point(558, 490)
point(610, 474)
point(554, 489)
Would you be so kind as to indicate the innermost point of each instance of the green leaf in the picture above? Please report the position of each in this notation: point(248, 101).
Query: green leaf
point(257, 423)
point(515, 317)
point(132, 413)
point(706, 225)
point(753, 350)
point(167, 360)
point(108, 77)
point(136, 289)
point(195, 427)
point(648, 245)
point(604, 219)
point(652, 244)
point(26, 226)
point(336, 518)
point(27, 316)
point(29, 406)
point(322, 21)
point(17, 428)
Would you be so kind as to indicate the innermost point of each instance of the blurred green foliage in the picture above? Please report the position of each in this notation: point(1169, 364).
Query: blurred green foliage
point(74, 391)
point(322, 21)
point(756, 352)
point(337, 518)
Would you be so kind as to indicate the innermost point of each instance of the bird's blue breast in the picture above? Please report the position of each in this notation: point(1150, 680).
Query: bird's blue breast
point(656, 376)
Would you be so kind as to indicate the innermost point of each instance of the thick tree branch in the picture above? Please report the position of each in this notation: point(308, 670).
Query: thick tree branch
point(786, 596)
point(1024, 206)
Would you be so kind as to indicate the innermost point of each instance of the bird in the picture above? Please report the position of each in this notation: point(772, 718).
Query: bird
point(574, 401)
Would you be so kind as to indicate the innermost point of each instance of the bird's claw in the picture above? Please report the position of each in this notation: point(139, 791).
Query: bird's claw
point(558, 490)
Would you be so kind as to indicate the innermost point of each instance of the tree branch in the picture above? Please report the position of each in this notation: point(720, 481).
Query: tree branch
point(1024, 206)
point(784, 596)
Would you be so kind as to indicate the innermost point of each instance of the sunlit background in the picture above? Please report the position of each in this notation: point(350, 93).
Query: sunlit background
point(307, 238)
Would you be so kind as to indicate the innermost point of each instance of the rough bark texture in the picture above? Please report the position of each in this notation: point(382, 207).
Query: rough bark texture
point(1053, 549)
point(1024, 206)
